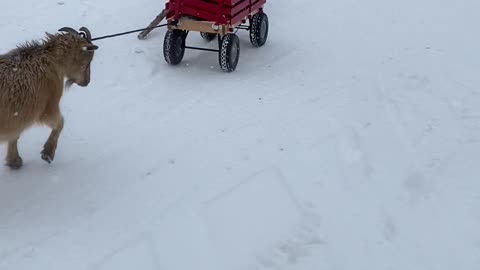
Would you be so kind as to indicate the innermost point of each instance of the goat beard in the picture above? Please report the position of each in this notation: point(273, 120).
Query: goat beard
point(69, 83)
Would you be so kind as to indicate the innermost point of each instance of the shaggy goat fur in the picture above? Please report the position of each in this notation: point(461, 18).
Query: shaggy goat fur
point(32, 80)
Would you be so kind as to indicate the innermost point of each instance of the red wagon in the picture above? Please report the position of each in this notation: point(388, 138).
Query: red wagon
point(214, 19)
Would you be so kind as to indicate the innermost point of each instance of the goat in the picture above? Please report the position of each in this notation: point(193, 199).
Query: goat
point(32, 81)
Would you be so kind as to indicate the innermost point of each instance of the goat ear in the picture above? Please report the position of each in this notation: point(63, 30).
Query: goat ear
point(90, 47)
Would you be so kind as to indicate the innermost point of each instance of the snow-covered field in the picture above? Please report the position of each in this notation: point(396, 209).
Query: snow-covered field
point(350, 141)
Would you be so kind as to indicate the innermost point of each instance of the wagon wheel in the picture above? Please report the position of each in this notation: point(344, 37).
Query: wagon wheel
point(208, 36)
point(174, 46)
point(229, 52)
point(259, 29)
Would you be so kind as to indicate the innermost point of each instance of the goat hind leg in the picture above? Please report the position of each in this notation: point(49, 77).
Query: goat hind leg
point(14, 161)
point(48, 152)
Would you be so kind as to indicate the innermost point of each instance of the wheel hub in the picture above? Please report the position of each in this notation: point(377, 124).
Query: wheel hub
point(234, 51)
point(263, 29)
point(179, 47)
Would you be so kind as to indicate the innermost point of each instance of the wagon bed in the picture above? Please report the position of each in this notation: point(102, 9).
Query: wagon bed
point(218, 11)
point(214, 19)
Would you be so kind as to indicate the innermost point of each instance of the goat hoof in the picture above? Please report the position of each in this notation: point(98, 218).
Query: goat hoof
point(15, 164)
point(47, 156)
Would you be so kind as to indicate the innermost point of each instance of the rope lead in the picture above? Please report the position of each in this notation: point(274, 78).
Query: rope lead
point(128, 32)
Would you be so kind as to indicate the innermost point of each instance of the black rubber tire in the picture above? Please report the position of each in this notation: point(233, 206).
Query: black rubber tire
point(259, 29)
point(208, 36)
point(229, 52)
point(174, 46)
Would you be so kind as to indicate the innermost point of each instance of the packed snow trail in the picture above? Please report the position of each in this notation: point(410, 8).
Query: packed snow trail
point(350, 141)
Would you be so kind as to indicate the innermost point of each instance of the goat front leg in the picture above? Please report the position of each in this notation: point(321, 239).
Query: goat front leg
point(14, 161)
point(48, 152)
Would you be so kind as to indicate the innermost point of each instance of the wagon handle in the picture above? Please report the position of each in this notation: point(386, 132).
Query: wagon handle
point(153, 24)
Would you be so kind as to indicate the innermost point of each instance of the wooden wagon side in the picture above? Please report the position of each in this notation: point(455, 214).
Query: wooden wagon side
point(217, 11)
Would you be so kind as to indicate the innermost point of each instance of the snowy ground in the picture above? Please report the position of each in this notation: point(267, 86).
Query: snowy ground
point(351, 141)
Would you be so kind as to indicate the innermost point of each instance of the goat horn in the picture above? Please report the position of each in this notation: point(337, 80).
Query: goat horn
point(69, 30)
point(88, 35)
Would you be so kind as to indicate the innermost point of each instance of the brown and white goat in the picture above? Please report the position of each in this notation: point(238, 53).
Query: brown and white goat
point(32, 81)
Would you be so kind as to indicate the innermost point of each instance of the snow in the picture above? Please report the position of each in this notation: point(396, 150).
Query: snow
point(350, 141)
